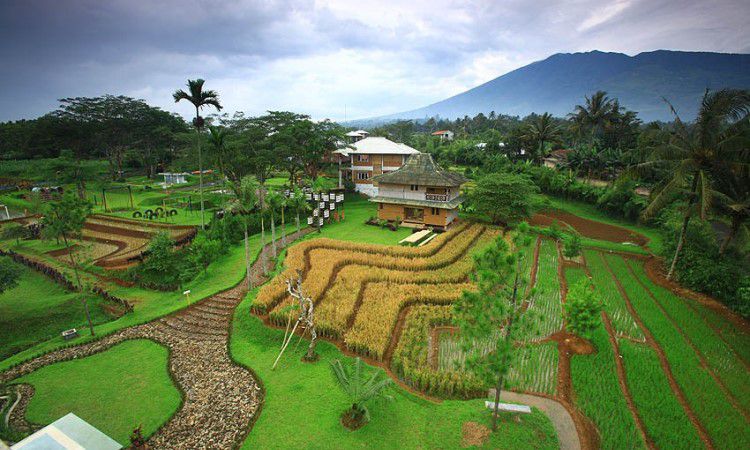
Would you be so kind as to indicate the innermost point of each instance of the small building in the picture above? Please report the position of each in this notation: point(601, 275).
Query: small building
point(556, 158)
point(358, 135)
point(370, 157)
point(174, 178)
point(446, 135)
point(420, 193)
point(68, 433)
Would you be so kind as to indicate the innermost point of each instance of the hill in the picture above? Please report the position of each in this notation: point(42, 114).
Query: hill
point(561, 81)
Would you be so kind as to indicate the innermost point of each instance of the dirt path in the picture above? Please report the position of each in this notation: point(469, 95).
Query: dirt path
point(590, 228)
point(220, 398)
point(662, 360)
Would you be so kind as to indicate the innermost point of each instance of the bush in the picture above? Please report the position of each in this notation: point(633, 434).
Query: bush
point(572, 245)
point(504, 197)
point(621, 199)
point(582, 309)
point(163, 265)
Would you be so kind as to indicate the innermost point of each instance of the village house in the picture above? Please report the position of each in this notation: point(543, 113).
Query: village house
point(556, 158)
point(420, 193)
point(444, 135)
point(358, 135)
point(370, 157)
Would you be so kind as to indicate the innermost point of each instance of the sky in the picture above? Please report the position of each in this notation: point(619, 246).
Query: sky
point(332, 59)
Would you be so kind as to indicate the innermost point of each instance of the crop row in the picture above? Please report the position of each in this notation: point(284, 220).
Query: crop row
point(596, 388)
point(337, 307)
point(325, 263)
point(273, 292)
point(411, 358)
point(534, 369)
point(614, 304)
point(545, 308)
point(725, 425)
point(382, 302)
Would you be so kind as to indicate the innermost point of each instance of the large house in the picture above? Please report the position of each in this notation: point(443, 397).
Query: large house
point(420, 193)
point(368, 158)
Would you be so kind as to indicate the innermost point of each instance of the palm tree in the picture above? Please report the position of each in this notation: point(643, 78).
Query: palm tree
point(360, 389)
point(540, 131)
point(245, 199)
point(217, 137)
point(298, 203)
point(712, 146)
point(274, 200)
point(199, 98)
point(594, 116)
point(733, 200)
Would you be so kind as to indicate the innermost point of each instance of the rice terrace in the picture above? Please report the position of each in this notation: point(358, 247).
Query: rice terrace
point(557, 258)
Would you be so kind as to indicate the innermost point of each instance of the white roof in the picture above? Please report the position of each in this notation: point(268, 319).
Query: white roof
point(379, 146)
point(68, 433)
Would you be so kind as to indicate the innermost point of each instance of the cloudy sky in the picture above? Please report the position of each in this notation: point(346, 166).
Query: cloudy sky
point(327, 58)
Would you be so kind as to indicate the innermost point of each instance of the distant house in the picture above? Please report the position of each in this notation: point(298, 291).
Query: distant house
point(369, 157)
point(358, 135)
point(174, 178)
point(444, 135)
point(420, 193)
point(68, 433)
point(556, 158)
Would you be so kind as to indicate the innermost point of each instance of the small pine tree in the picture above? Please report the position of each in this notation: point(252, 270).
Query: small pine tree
point(582, 309)
point(572, 243)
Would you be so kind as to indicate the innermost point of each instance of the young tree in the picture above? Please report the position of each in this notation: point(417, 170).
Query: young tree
point(163, 265)
point(572, 245)
point(274, 200)
point(199, 98)
point(245, 199)
point(504, 197)
point(582, 309)
point(9, 274)
point(495, 312)
point(298, 204)
point(15, 231)
point(695, 154)
point(360, 389)
point(541, 131)
point(65, 219)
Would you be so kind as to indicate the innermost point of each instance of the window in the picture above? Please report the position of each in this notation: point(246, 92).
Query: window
point(414, 214)
point(363, 158)
point(381, 206)
point(414, 187)
point(363, 175)
point(435, 211)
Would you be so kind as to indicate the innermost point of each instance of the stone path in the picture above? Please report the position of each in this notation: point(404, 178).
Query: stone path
point(220, 398)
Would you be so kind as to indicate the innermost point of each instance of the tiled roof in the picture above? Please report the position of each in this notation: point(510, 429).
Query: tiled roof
point(422, 170)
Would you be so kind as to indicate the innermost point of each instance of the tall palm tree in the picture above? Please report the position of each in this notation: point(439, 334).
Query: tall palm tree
point(274, 201)
point(199, 98)
point(244, 201)
point(298, 203)
point(733, 200)
point(695, 154)
point(540, 131)
point(594, 116)
point(360, 388)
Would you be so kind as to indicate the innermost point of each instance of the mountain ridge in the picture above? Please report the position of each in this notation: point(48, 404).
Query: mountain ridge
point(559, 82)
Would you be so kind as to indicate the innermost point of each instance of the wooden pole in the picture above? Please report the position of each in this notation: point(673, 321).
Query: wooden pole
point(291, 335)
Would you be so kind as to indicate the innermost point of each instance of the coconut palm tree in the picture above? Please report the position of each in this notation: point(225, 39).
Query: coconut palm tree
point(540, 131)
point(359, 388)
point(274, 201)
point(594, 116)
point(298, 203)
point(714, 145)
point(244, 201)
point(199, 98)
point(733, 200)
point(217, 138)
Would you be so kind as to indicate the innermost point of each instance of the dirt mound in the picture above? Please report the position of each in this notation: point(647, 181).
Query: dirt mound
point(474, 434)
point(589, 228)
point(575, 344)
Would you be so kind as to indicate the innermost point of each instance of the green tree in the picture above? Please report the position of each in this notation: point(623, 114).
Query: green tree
point(572, 243)
point(713, 146)
point(360, 389)
point(9, 274)
point(733, 200)
point(65, 219)
point(504, 197)
point(541, 131)
point(494, 312)
point(164, 264)
point(15, 231)
point(591, 118)
point(275, 202)
point(245, 200)
point(298, 204)
point(582, 309)
point(199, 98)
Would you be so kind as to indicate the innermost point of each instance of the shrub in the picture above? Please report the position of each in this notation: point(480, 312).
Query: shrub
point(572, 245)
point(504, 197)
point(582, 309)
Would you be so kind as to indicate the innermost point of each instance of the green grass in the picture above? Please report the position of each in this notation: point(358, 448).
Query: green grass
point(546, 309)
point(726, 426)
point(663, 416)
point(597, 391)
point(357, 210)
point(116, 390)
point(39, 309)
point(303, 404)
point(591, 212)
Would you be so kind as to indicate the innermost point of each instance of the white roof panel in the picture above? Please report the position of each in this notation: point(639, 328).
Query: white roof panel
point(380, 146)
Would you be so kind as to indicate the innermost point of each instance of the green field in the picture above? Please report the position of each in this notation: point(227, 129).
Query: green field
point(116, 390)
point(39, 309)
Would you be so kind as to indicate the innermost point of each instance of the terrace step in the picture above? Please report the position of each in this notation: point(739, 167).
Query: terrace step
point(209, 324)
point(209, 315)
point(212, 309)
point(192, 332)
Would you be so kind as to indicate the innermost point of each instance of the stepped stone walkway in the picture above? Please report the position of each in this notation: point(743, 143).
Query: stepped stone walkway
point(220, 398)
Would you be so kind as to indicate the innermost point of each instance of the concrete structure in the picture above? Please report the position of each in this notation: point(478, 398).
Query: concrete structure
point(358, 135)
point(174, 178)
point(444, 135)
point(68, 433)
point(420, 193)
point(368, 158)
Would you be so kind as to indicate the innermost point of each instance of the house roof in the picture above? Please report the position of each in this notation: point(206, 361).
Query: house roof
point(68, 433)
point(439, 132)
point(559, 154)
point(422, 170)
point(450, 204)
point(358, 133)
point(378, 146)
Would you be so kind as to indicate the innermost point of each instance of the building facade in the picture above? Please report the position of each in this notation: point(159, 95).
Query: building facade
point(420, 193)
point(369, 157)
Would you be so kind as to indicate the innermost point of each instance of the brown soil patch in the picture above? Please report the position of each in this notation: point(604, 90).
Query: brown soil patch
point(474, 434)
point(662, 360)
point(352, 422)
point(576, 345)
point(63, 251)
point(589, 228)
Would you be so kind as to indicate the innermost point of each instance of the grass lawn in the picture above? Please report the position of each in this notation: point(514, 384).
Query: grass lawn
point(591, 212)
point(115, 390)
point(357, 209)
point(303, 404)
point(39, 309)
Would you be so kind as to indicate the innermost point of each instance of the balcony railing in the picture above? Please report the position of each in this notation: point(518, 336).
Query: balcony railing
point(436, 197)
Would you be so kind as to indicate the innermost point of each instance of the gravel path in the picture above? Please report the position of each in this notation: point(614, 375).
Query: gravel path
point(220, 398)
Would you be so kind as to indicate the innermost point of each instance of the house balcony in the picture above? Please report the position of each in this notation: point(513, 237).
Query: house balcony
point(436, 197)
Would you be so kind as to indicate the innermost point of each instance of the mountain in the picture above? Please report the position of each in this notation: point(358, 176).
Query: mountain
point(560, 82)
